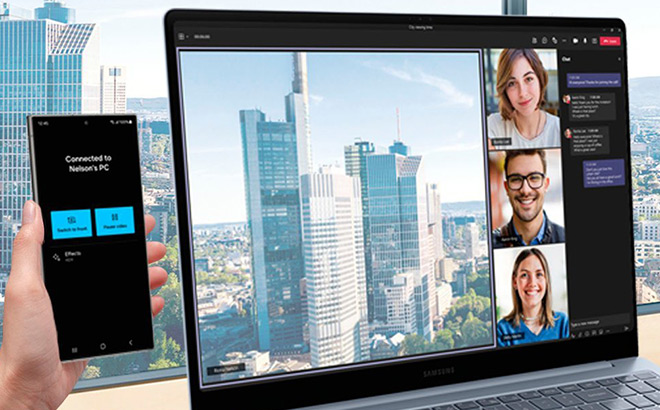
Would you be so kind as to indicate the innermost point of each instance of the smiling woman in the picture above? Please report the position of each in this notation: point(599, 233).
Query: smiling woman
point(532, 318)
point(521, 88)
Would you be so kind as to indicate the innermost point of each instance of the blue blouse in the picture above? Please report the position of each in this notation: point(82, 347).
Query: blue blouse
point(508, 335)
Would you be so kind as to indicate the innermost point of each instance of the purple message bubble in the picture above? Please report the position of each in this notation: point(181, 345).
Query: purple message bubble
point(593, 80)
point(604, 173)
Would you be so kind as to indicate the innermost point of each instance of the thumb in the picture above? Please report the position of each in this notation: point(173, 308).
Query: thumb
point(26, 256)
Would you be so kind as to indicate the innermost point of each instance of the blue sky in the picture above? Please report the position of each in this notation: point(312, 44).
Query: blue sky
point(352, 95)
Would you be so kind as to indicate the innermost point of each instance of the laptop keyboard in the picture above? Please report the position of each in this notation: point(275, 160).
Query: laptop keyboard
point(634, 391)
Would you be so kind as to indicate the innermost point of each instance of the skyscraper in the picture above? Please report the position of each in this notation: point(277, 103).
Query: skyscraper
point(113, 90)
point(334, 268)
point(46, 67)
point(355, 160)
point(274, 153)
point(400, 240)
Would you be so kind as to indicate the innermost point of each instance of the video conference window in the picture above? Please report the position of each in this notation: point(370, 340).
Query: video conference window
point(339, 207)
point(523, 98)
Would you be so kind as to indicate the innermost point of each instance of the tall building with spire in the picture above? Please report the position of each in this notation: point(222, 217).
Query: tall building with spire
point(48, 65)
point(275, 155)
point(297, 112)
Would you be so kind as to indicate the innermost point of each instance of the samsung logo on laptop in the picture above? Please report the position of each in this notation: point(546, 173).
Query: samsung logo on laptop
point(444, 371)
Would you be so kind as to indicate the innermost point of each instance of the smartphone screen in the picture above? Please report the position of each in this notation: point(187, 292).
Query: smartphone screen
point(86, 179)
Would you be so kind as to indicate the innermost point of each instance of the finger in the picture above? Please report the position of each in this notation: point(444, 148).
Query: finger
point(26, 256)
point(157, 304)
point(155, 251)
point(149, 223)
point(157, 277)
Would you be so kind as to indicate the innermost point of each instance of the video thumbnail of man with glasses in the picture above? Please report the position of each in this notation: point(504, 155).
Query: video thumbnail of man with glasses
point(526, 183)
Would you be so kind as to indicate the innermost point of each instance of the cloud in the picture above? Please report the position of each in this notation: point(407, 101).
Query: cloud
point(452, 95)
point(316, 99)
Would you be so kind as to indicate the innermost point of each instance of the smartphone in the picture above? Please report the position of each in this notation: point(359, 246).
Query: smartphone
point(86, 179)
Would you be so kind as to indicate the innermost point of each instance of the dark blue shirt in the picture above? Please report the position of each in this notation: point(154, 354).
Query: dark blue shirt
point(508, 335)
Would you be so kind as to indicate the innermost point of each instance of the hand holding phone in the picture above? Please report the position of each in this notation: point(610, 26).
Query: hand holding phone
point(31, 373)
point(86, 179)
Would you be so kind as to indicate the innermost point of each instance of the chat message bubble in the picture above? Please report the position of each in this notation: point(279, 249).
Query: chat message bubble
point(593, 80)
point(604, 173)
point(589, 140)
point(592, 107)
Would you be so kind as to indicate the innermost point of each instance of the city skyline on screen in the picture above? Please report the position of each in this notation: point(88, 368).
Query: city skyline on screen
point(352, 96)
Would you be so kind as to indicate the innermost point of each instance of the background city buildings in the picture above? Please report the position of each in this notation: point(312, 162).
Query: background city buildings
point(48, 65)
point(368, 235)
point(113, 89)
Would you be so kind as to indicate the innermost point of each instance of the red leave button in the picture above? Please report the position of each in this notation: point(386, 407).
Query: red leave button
point(610, 41)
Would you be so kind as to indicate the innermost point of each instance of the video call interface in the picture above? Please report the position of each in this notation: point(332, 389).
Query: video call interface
point(354, 207)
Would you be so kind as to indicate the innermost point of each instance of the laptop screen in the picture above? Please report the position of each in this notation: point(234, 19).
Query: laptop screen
point(368, 194)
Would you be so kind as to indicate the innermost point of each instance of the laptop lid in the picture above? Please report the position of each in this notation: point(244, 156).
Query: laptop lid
point(378, 203)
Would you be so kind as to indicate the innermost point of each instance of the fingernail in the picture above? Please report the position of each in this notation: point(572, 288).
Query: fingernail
point(29, 212)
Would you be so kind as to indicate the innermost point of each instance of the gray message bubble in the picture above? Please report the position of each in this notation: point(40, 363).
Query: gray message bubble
point(592, 107)
point(590, 140)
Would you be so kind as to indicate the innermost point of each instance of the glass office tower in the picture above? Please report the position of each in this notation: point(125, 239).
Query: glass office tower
point(46, 67)
point(401, 247)
point(275, 155)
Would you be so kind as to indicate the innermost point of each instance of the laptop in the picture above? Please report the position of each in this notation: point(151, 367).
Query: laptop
point(382, 211)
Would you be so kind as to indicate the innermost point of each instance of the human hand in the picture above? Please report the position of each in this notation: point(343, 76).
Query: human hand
point(31, 373)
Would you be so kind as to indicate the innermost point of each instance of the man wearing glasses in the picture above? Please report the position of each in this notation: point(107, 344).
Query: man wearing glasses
point(526, 184)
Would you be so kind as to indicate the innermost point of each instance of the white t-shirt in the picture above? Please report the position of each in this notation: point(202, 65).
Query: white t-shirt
point(550, 136)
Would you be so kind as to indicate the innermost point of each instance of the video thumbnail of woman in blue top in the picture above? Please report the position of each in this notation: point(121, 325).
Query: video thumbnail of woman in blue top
point(532, 318)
